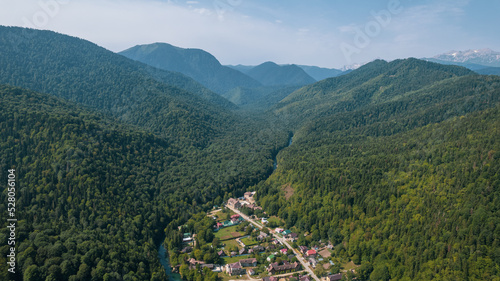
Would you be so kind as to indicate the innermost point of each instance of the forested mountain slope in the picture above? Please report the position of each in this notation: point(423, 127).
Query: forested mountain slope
point(82, 72)
point(85, 191)
point(423, 204)
point(259, 99)
point(489, 71)
point(94, 195)
point(195, 63)
point(403, 179)
point(373, 83)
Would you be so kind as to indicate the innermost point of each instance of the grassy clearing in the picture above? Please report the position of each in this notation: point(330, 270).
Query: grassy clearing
point(276, 220)
point(230, 243)
point(248, 241)
point(228, 260)
point(220, 216)
point(228, 233)
point(350, 265)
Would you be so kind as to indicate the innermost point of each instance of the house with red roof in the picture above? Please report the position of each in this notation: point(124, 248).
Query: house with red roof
point(311, 253)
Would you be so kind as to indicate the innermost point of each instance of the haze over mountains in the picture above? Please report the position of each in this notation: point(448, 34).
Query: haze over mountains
point(396, 164)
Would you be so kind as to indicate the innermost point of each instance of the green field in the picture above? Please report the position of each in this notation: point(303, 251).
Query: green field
point(249, 241)
point(228, 233)
point(230, 243)
point(228, 260)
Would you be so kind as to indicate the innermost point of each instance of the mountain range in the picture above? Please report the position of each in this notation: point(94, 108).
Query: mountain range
point(485, 57)
point(195, 63)
point(394, 163)
point(483, 61)
point(248, 87)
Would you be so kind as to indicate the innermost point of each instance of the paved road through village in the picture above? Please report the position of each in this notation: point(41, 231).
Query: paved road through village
point(282, 240)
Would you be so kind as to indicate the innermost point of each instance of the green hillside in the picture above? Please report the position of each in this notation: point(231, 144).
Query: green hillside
point(261, 98)
point(114, 159)
point(85, 189)
point(374, 83)
point(423, 203)
point(402, 181)
point(271, 74)
point(195, 63)
point(82, 72)
point(94, 195)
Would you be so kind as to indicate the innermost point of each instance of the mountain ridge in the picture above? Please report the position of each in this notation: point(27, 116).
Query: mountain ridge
point(371, 83)
point(195, 63)
point(472, 59)
point(82, 72)
point(272, 74)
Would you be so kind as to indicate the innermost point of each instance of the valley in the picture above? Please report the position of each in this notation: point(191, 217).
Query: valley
point(387, 172)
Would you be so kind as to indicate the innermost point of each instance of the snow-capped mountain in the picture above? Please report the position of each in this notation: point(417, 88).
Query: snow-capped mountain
point(486, 57)
point(352, 66)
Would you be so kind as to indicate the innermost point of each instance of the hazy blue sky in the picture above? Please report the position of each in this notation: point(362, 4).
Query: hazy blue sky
point(327, 33)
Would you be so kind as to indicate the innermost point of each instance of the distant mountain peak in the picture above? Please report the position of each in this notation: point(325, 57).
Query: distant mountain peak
point(485, 57)
point(352, 66)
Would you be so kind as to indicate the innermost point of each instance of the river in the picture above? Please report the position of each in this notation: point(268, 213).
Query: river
point(162, 255)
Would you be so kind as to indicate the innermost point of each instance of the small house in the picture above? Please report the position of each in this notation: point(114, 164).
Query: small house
point(234, 269)
point(311, 253)
point(234, 203)
point(262, 236)
point(259, 248)
point(248, 262)
point(243, 251)
point(312, 262)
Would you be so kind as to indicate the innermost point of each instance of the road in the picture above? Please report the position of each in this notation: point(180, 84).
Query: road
point(282, 240)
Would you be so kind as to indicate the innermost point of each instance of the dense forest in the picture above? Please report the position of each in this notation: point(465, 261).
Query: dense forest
point(407, 187)
point(95, 196)
point(396, 163)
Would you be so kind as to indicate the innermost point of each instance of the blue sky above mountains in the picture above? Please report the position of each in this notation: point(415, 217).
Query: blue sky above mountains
point(315, 32)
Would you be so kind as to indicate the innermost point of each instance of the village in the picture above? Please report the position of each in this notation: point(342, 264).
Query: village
point(252, 246)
